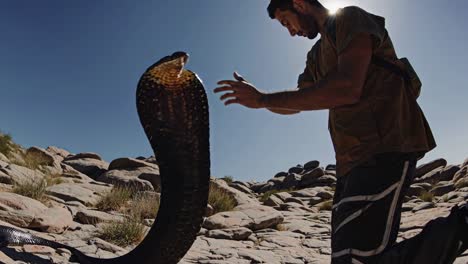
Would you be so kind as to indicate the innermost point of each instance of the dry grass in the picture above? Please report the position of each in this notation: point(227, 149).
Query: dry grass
point(34, 161)
point(5, 144)
point(228, 179)
point(53, 179)
point(136, 206)
point(144, 207)
point(259, 240)
point(426, 196)
point(33, 189)
point(123, 233)
point(281, 227)
point(326, 206)
point(220, 200)
point(115, 199)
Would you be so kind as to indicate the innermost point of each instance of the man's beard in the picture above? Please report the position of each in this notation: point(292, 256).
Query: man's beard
point(309, 23)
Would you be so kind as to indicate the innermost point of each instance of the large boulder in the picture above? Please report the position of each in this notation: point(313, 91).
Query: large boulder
point(311, 165)
point(273, 200)
point(18, 174)
point(19, 210)
point(431, 177)
point(277, 181)
point(84, 155)
point(448, 172)
point(443, 188)
point(462, 173)
point(70, 172)
point(291, 181)
point(298, 169)
point(255, 187)
point(427, 167)
point(47, 160)
point(44, 156)
point(129, 163)
point(281, 174)
point(241, 187)
point(268, 186)
point(311, 177)
point(90, 164)
point(56, 219)
point(140, 178)
point(58, 152)
point(240, 197)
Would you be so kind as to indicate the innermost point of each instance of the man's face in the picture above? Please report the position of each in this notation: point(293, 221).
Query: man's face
point(304, 26)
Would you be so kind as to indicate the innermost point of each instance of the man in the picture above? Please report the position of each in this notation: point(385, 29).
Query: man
point(377, 128)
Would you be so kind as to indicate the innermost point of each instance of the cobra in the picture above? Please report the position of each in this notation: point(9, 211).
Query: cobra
point(173, 111)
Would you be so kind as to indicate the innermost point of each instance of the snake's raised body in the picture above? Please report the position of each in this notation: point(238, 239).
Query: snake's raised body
point(173, 111)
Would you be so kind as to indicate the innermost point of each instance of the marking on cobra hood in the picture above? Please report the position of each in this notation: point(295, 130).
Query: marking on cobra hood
point(171, 74)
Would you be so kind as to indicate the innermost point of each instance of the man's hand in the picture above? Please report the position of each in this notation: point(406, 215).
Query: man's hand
point(241, 92)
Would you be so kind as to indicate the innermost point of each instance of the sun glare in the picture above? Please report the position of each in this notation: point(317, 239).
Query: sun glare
point(333, 6)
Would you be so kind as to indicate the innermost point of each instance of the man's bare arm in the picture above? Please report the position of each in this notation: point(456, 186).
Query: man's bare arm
point(283, 111)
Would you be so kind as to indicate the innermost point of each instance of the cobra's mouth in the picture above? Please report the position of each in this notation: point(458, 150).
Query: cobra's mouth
point(169, 71)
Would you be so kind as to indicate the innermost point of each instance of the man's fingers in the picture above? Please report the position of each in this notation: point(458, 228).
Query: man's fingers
point(227, 95)
point(232, 101)
point(228, 82)
point(225, 88)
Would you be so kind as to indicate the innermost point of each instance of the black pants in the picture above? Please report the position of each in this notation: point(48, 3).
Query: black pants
point(366, 218)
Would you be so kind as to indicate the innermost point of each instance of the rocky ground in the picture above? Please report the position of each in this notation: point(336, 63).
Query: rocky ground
point(289, 226)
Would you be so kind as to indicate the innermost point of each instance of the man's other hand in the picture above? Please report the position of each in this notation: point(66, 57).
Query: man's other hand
point(240, 92)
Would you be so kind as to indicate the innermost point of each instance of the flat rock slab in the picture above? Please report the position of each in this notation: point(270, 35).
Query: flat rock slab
point(19, 210)
point(411, 220)
point(254, 218)
point(53, 220)
point(73, 192)
point(239, 233)
point(20, 174)
point(86, 216)
point(133, 178)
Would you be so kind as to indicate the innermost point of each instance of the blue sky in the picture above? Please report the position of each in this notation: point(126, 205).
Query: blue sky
point(68, 72)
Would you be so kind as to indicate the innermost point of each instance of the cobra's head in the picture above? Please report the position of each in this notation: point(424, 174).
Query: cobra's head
point(169, 71)
point(175, 62)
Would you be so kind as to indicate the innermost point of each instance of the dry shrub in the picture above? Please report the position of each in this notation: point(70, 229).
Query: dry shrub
point(115, 199)
point(220, 200)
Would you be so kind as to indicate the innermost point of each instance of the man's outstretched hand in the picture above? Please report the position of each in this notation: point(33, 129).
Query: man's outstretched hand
point(240, 92)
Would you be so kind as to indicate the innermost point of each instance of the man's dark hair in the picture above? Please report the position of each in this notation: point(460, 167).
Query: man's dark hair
point(286, 5)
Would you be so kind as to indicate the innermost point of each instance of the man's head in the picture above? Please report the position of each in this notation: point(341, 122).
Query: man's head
point(305, 25)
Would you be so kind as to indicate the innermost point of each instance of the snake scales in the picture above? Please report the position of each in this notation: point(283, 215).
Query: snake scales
point(173, 110)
